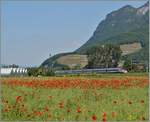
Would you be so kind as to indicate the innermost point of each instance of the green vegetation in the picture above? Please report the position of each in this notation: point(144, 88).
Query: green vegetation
point(103, 56)
point(40, 71)
point(89, 103)
point(105, 75)
point(128, 64)
point(75, 104)
point(122, 27)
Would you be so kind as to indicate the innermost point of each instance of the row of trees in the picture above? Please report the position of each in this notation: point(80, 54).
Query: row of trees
point(10, 66)
point(106, 56)
point(134, 66)
point(40, 71)
point(109, 56)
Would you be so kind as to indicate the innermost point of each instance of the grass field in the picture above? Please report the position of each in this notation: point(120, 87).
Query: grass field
point(104, 98)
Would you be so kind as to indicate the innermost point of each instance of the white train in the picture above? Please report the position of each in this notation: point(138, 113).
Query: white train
point(13, 71)
point(88, 71)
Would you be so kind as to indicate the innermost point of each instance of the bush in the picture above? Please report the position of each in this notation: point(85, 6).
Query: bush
point(40, 71)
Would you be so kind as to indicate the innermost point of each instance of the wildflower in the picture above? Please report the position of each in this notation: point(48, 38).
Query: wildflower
point(104, 117)
point(49, 97)
point(38, 113)
point(94, 118)
point(6, 110)
point(18, 99)
point(61, 105)
point(46, 109)
point(104, 113)
point(79, 110)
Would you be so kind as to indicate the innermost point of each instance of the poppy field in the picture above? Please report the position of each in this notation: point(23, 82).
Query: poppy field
point(113, 98)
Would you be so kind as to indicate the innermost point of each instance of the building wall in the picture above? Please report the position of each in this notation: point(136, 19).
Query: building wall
point(13, 71)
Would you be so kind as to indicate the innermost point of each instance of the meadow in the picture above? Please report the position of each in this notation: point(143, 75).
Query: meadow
point(106, 97)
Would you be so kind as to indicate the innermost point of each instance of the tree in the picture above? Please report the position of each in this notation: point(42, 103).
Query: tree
point(128, 64)
point(33, 71)
point(50, 72)
point(13, 66)
point(42, 71)
point(104, 56)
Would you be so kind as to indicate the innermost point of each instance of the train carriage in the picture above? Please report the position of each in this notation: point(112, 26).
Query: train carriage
point(88, 71)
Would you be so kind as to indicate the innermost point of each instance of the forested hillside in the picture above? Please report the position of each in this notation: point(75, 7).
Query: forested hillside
point(126, 25)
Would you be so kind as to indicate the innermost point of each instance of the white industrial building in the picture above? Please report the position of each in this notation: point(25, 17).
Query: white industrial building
point(13, 71)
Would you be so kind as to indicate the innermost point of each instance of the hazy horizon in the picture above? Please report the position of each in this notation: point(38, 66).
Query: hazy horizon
point(31, 30)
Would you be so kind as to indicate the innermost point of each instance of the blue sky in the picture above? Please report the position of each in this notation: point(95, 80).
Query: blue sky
point(31, 30)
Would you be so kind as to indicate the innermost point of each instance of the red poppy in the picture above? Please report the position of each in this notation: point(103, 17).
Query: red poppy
point(79, 110)
point(49, 97)
point(46, 109)
point(104, 113)
point(61, 105)
point(104, 117)
point(18, 98)
point(94, 118)
point(6, 110)
point(38, 113)
point(115, 83)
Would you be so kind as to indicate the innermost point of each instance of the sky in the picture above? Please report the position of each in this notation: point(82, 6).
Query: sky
point(31, 30)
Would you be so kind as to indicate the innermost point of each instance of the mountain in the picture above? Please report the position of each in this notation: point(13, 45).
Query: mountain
point(127, 25)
